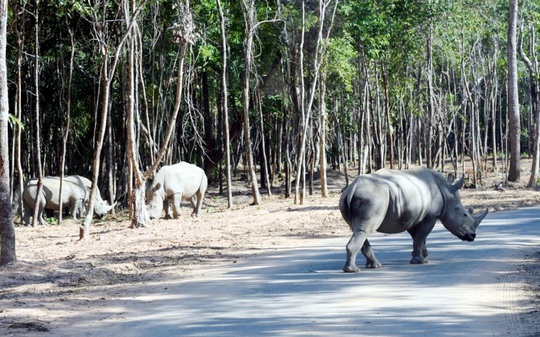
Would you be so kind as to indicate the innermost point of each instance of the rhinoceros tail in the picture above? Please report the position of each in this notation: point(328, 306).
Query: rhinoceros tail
point(345, 201)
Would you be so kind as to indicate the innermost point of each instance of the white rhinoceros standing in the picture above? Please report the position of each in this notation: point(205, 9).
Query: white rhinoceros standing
point(391, 201)
point(175, 183)
point(75, 193)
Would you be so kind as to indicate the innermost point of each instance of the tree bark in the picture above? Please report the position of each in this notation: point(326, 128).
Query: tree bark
point(514, 131)
point(249, 17)
point(532, 66)
point(225, 94)
point(7, 231)
point(38, 117)
point(65, 135)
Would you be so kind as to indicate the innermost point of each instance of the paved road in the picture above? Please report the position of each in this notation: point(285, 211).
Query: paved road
point(467, 289)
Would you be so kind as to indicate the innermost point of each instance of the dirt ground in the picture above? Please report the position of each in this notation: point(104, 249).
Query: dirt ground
point(56, 273)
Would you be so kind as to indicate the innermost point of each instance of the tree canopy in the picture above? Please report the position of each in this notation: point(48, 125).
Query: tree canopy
point(394, 83)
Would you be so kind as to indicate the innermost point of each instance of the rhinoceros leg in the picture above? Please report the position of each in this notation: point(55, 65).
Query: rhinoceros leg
point(76, 208)
point(419, 234)
point(166, 208)
point(193, 202)
point(359, 242)
point(371, 260)
point(353, 247)
point(176, 204)
point(27, 214)
point(199, 201)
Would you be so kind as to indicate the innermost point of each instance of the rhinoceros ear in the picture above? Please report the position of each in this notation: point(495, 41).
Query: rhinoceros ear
point(450, 178)
point(457, 185)
point(156, 187)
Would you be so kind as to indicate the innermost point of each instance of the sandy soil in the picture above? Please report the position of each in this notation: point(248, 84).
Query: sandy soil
point(57, 274)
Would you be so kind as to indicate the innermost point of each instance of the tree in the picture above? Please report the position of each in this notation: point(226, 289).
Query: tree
point(250, 26)
point(534, 83)
point(7, 231)
point(225, 93)
point(184, 35)
point(111, 56)
point(514, 129)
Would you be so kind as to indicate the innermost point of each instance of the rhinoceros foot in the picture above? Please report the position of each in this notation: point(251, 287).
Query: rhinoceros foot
point(419, 260)
point(351, 269)
point(373, 265)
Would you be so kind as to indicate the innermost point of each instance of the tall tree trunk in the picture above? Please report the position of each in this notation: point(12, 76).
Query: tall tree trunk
point(265, 174)
point(249, 20)
point(38, 126)
point(65, 133)
point(7, 231)
point(108, 71)
point(225, 94)
point(322, 135)
point(532, 66)
point(18, 114)
point(307, 106)
point(514, 129)
point(388, 117)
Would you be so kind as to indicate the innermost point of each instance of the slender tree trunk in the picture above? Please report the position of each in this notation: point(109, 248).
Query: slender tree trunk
point(322, 135)
point(108, 70)
point(514, 129)
point(38, 116)
point(249, 20)
point(7, 231)
point(18, 107)
point(264, 165)
point(532, 66)
point(225, 93)
point(65, 135)
point(388, 119)
point(307, 106)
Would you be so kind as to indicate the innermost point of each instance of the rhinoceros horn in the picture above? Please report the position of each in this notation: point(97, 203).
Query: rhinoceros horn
point(109, 207)
point(478, 218)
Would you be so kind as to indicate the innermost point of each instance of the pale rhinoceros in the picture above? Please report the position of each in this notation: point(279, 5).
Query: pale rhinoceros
point(391, 201)
point(174, 183)
point(75, 193)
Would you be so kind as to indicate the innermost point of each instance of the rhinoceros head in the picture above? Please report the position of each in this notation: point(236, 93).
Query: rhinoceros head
point(154, 205)
point(458, 221)
point(101, 208)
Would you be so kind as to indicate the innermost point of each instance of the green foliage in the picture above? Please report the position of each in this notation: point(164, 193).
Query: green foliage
point(341, 60)
point(12, 120)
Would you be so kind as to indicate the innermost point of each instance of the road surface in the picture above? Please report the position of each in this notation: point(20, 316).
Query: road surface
point(467, 289)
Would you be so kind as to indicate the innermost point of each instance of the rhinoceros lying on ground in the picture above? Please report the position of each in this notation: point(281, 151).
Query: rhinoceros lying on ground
point(390, 201)
point(76, 190)
point(175, 183)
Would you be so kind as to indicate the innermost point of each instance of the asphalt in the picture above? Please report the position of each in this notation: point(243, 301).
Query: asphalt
point(467, 289)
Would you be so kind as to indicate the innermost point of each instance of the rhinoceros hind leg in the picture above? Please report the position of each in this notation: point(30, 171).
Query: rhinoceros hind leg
point(351, 269)
point(353, 247)
point(371, 260)
point(419, 260)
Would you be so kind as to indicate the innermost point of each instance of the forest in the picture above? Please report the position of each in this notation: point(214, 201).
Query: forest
point(271, 90)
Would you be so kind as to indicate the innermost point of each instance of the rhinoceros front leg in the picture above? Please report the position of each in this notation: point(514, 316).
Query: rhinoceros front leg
point(176, 204)
point(419, 234)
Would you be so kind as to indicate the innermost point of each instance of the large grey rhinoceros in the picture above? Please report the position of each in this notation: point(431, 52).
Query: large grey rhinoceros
point(175, 183)
point(75, 194)
point(391, 201)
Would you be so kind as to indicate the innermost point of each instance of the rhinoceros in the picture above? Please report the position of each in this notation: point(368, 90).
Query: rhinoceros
point(392, 201)
point(76, 190)
point(174, 183)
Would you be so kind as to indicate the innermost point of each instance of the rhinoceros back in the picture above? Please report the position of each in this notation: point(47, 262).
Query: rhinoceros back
point(182, 178)
point(401, 198)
